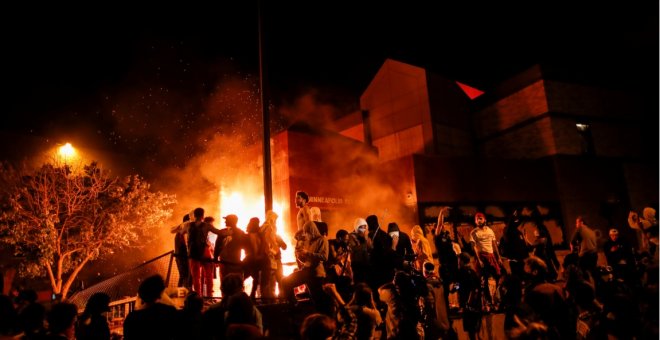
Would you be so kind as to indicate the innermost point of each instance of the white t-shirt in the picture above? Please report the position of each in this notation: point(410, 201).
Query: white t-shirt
point(483, 238)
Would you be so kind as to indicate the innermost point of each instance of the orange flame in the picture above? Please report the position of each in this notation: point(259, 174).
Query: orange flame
point(246, 206)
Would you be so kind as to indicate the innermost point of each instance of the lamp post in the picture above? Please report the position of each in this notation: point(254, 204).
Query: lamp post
point(66, 151)
point(265, 115)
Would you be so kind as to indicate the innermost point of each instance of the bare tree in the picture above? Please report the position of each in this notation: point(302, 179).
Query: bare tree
point(58, 220)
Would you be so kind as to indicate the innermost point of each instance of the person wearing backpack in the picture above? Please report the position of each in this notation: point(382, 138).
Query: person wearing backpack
point(197, 232)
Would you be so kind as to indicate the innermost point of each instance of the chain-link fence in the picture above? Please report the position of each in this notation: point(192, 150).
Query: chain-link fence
point(125, 285)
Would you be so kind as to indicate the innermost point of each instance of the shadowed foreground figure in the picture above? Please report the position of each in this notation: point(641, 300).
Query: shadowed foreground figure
point(92, 324)
point(61, 321)
point(155, 320)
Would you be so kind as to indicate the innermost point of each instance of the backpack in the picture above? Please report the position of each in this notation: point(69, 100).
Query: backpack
point(197, 240)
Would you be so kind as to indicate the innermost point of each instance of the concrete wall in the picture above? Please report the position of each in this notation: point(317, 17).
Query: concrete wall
point(451, 111)
point(516, 108)
point(401, 143)
point(594, 188)
point(590, 101)
point(440, 179)
point(530, 141)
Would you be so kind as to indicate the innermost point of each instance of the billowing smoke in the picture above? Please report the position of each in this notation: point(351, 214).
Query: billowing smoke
point(198, 142)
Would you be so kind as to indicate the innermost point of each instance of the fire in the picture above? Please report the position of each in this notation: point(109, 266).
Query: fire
point(246, 206)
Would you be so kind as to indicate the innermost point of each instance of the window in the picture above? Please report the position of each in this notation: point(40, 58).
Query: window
point(586, 140)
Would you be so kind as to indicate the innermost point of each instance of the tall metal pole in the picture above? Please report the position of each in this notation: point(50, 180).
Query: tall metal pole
point(265, 114)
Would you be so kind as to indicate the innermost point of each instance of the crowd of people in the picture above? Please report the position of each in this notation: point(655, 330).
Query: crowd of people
point(368, 283)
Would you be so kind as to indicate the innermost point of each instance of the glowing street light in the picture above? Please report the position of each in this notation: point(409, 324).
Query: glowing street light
point(67, 150)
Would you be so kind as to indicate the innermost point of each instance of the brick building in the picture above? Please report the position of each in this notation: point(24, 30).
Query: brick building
point(538, 139)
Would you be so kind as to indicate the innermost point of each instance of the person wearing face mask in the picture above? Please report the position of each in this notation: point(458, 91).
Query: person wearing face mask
point(401, 245)
point(360, 246)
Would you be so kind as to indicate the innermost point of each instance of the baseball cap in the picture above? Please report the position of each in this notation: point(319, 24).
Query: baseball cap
point(231, 217)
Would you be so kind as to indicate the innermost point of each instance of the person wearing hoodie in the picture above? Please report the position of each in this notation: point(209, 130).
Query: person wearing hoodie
point(422, 248)
point(360, 247)
point(381, 269)
point(313, 256)
point(646, 228)
point(274, 245)
point(401, 245)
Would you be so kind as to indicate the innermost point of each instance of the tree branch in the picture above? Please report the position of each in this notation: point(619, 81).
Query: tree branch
point(74, 274)
point(51, 277)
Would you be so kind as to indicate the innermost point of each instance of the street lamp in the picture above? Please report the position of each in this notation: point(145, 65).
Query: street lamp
point(66, 152)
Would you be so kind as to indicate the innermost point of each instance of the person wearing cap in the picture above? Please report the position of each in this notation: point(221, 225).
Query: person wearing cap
point(484, 243)
point(228, 247)
point(360, 247)
point(618, 253)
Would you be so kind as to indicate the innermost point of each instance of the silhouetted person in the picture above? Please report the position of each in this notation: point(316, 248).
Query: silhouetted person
point(469, 291)
point(155, 320)
point(199, 257)
point(255, 262)
point(546, 300)
point(381, 269)
point(447, 256)
point(241, 319)
point(513, 246)
point(317, 326)
point(190, 317)
point(9, 323)
point(228, 246)
point(213, 319)
point(62, 321)
point(92, 323)
point(181, 255)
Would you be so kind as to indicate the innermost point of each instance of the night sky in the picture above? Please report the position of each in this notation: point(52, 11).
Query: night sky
point(139, 81)
point(165, 85)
